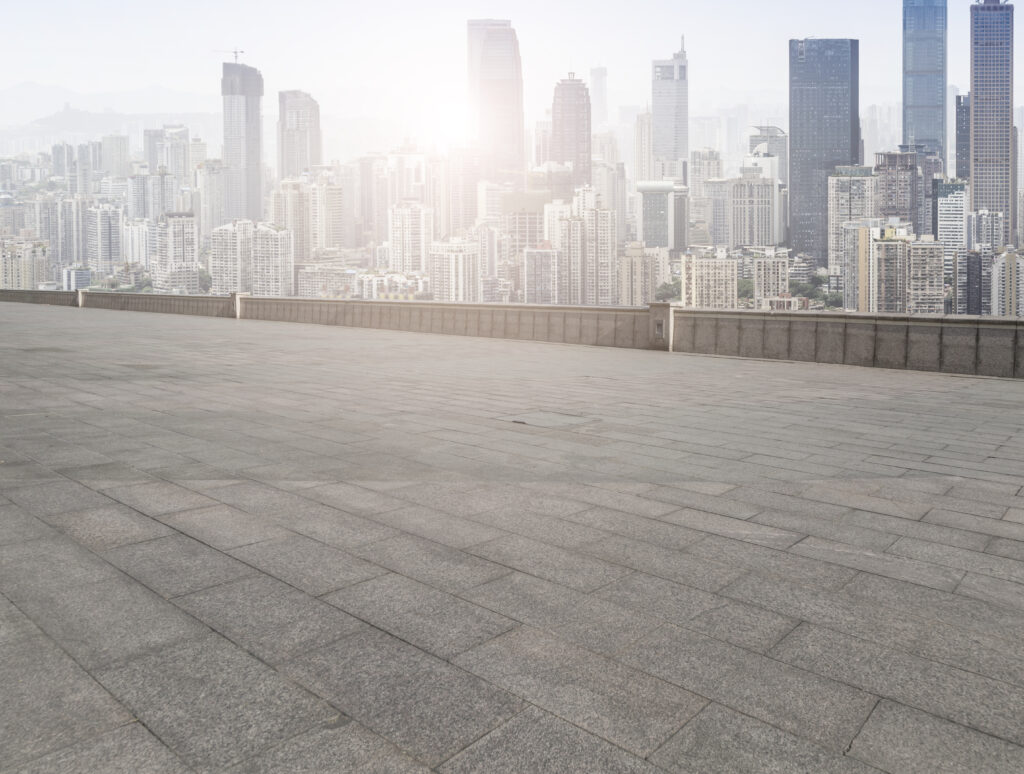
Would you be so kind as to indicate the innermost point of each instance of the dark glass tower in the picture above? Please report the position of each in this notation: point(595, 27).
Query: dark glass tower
point(824, 121)
point(924, 75)
point(242, 89)
point(570, 128)
point(963, 137)
point(993, 171)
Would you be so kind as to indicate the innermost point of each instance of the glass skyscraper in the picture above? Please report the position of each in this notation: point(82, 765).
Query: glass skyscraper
point(993, 171)
point(824, 121)
point(924, 75)
point(670, 107)
point(496, 97)
point(242, 89)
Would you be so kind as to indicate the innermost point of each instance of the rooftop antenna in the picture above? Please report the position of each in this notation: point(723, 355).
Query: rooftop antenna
point(234, 51)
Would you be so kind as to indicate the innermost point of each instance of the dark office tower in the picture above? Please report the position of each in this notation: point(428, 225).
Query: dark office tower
point(242, 89)
point(824, 126)
point(963, 137)
point(993, 172)
point(570, 128)
point(924, 75)
point(901, 187)
point(299, 145)
point(496, 98)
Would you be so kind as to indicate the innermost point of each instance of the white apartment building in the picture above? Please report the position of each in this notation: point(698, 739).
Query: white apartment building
point(710, 282)
point(273, 261)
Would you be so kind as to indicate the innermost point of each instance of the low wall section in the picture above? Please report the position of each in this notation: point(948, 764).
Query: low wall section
point(984, 346)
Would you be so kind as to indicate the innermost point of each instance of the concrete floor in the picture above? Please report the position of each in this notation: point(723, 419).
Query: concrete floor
point(266, 547)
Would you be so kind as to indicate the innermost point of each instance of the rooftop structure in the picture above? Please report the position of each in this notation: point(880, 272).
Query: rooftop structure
point(259, 545)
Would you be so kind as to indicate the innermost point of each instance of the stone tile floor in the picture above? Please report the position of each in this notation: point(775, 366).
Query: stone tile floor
point(263, 547)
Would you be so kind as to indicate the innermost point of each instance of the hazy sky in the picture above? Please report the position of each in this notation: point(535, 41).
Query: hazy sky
point(404, 62)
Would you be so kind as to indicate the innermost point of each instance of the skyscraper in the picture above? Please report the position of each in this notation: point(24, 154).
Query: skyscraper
point(824, 123)
point(299, 146)
point(924, 75)
point(570, 128)
point(993, 175)
point(963, 137)
point(772, 141)
point(242, 89)
point(496, 96)
point(670, 108)
point(599, 96)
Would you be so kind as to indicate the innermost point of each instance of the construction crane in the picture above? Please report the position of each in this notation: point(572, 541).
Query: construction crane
point(234, 51)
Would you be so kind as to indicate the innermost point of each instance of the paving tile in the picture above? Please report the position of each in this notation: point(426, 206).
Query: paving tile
point(426, 706)
point(354, 499)
point(961, 559)
point(594, 623)
point(986, 526)
point(56, 497)
point(158, 497)
point(14, 624)
point(128, 749)
point(549, 529)
point(439, 527)
point(680, 566)
point(49, 702)
point(432, 563)
point(994, 590)
point(624, 706)
point(721, 741)
point(437, 622)
point(923, 530)
point(47, 563)
point(890, 565)
point(737, 529)
point(738, 556)
point(837, 531)
point(17, 525)
point(306, 564)
point(339, 747)
point(805, 704)
point(569, 568)
point(629, 525)
point(269, 618)
point(105, 475)
point(176, 565)
point(213, 704)
point(963, 697)
point(224, 527)
point(540, 743)
point(100, 529)
point(900, 738)
point(107, 621)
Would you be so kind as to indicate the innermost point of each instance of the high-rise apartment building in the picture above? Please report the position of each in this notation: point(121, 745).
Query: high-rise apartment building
point(664, 219)
point(114, 155)
point(410, 234)
point(924, 75)
point(772, 141)
point(273, 265)
point(299, 143)
point(290, 209)
point(599, 97)
point(496, 96)
point(570, 128)
point(824, 125)
point(103, 232)
point(643, 148)
point(951, 202)
point(231, 258)
point(852, 196)
point(900, 188)
point(242, 90)
point(455, 271)
point(710, 282)
point(1008, 285)
point(670, 108)
point(993, 168)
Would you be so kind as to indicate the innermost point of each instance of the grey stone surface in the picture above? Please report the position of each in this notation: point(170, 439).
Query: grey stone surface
point(49, 702)
point(269, 618)
point(964, 697)
point(900, 738)
point(437, 622)
point(722, 741)
point(307, 564)
point(176, 565)
point(540, 743)
point(623, 705)
point(211, 703)
point(128, 749)
point(808, 705)
point(336, 748)
point(424, 705)
point(694, 521)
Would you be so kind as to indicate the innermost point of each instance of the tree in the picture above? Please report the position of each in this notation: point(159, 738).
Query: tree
point(745, 288)
point(834, 300)
point(670, 291)
point(205, 281)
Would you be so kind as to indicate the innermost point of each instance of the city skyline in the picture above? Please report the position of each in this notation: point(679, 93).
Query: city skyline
point(410, 99)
